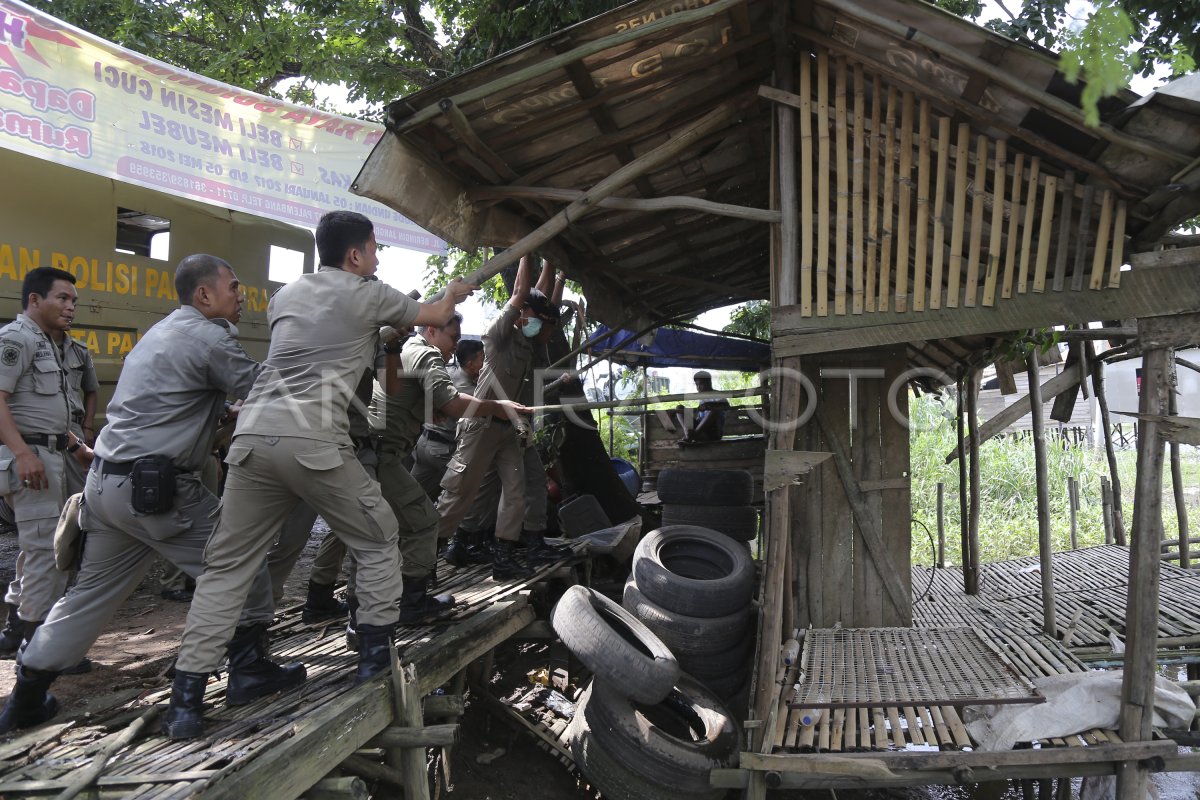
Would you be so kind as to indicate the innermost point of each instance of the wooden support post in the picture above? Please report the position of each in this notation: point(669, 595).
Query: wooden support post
point(941, 524)
point(406, 700)
point(973, 379)
point(1141, 620)
point(1109, 448)
point(1177, 485)
point(1073, 505)
point(1042, 471)
point(1106, 510)
point(970, 576)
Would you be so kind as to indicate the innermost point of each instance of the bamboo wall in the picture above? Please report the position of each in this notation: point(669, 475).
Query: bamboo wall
point(901, 209)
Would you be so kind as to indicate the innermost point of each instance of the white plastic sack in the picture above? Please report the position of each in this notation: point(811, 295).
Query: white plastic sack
point(1075, 702)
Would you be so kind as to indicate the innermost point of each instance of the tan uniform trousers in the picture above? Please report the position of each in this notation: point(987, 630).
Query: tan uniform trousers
point(121, 546)
point(483, 510)
point(267, 476)
point(37, 583)
point(484, 443)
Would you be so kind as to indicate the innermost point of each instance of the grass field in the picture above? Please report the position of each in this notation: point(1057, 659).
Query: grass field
point(1008, 503)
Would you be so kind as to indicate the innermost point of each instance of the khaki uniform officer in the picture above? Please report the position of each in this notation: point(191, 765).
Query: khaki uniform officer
point(166, 405)
point(82, 394)
point(34, 416)
point(439, 437)
point(293, 443)
point(416, 387)
point(507, 373)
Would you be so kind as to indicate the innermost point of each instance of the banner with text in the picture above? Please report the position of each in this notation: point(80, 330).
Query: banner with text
point(72, 98)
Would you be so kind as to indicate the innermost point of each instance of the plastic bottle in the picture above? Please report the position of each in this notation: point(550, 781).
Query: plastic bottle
point(791, 652)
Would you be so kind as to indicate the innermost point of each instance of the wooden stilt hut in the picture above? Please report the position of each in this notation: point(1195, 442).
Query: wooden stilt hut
point(907, 189)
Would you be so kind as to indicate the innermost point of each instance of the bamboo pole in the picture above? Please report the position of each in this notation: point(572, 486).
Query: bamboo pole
point(1106, 513)
point(1073, 505)
point(82, 779)
point(941, 524)
point(806, 187)
point(822, 175)
point(1102, 234)
point(1035, 166)
point(841, 221)
point(977, 191)
point(939, 207)
point(789, 234)
point(1118, 249)
point(406, 699)
point(1014, 219)
point(873, 194)
point(889, 156)
point(973, 379)
point(1141, 616)
point(970, 578)
point(650, 205)
point(961, 162)
point(1043, 251)
point(1042, 469)
point(1109, 448)
point(1064, 230)
point(997, 232)
point(856, 247)
point(904, 179)
point(1177, 487)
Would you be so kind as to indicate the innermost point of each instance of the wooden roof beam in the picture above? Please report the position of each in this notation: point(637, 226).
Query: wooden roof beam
point(627, 203)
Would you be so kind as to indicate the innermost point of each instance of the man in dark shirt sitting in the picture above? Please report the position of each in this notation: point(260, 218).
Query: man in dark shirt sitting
point(708, 420)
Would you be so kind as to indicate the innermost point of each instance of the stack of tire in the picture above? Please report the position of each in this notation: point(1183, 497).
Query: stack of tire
point(718, 499)
point(642, 730)
point(692, 587)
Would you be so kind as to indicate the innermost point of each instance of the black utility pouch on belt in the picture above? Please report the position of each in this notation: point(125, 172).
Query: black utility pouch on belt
point(153, 480)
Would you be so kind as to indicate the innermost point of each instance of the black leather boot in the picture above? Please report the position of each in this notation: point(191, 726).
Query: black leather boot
point(417, 606)
point(459, 552)
point(537, 551)
point(13, 633)
point(374, 651)
point(184, 718)
point(505, 566)
point(321, 604)
point(251, 673)
point(29, 704)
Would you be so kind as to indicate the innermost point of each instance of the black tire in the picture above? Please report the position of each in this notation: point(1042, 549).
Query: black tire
point(675, 743)
point(718, 665)
point(694, 571)
point(614, 644)
point(687, 636)
point(615, 777)
point(705, 487)
point(739, 523)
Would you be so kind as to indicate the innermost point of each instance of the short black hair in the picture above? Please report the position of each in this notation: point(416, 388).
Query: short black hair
point(338, 232)
point(195, 270)
point(467, 349)
point(39, 281)
point(541, 305)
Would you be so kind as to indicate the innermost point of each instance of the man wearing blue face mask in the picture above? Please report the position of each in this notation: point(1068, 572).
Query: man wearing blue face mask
point(508, 371)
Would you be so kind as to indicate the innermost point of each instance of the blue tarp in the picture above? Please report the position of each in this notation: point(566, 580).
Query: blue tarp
point(673, 347)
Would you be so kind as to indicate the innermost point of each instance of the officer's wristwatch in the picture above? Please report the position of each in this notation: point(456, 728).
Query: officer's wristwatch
point(71, 448)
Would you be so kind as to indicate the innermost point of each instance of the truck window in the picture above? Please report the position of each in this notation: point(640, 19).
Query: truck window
point(142, 234)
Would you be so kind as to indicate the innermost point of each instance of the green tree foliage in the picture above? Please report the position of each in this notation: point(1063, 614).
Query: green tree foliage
point(751, 319)
point(380, 49)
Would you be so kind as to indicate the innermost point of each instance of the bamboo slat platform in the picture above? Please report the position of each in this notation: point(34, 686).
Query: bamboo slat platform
point(279, 746)
point(1090, 590)
point(927, 727)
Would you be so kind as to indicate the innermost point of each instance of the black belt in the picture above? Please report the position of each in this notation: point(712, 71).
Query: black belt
point(121, 468)
point(55, 441)
point(112, 467)
point(439, 436)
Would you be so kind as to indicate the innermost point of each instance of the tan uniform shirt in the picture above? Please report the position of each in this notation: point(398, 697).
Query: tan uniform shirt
point(425, 386)
point(172, 390)
point(324, 334)
point(81, 377)
point(507, 361)
point(33, 375)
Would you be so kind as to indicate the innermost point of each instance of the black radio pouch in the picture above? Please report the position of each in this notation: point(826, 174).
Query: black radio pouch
point(153, 480)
